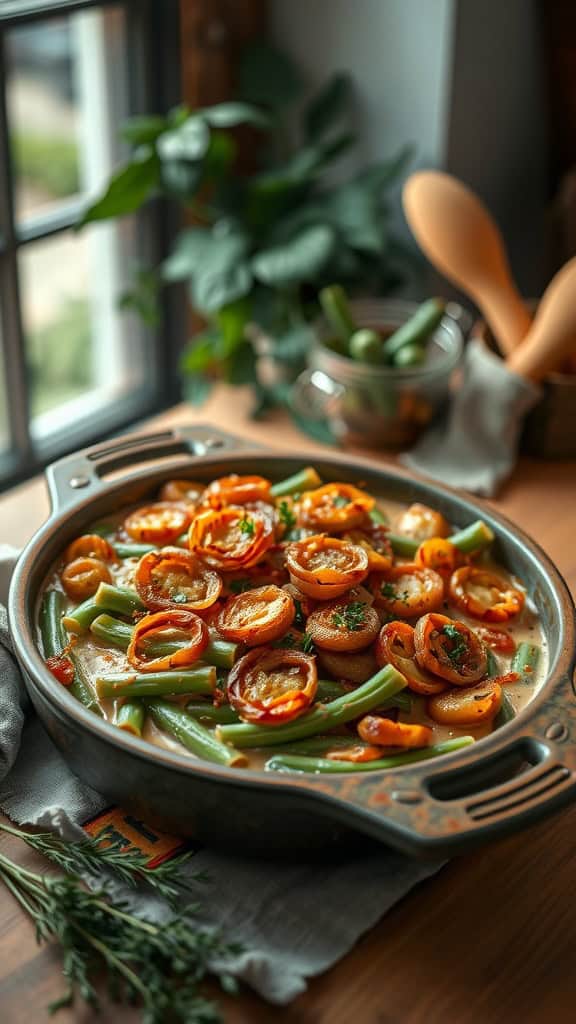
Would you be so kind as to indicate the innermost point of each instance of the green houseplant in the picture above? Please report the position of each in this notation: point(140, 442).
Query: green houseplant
point(261, 241)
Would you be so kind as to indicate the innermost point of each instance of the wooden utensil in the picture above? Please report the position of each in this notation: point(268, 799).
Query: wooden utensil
point(459, 236)
point(552, 336)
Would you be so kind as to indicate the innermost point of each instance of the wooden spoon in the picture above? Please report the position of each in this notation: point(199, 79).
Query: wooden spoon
point(552, 336)
point(461, 239)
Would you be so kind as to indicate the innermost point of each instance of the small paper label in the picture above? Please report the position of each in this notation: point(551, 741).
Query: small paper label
point(117, 826)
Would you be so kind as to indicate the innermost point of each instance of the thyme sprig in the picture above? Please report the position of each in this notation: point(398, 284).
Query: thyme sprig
point(158, 965)
point(88, 856)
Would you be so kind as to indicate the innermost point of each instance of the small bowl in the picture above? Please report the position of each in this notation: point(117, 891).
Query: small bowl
point(379, 406)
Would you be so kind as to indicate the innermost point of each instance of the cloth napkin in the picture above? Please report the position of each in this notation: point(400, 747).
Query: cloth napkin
point(293, 919)
point(475, 445)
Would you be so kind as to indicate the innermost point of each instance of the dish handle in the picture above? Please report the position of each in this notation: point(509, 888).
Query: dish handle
point(84, 472)
point(440, 808)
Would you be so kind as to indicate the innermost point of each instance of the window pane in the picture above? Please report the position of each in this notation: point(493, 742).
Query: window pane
point(65, 102)
point(82, 352)
point(4, 427)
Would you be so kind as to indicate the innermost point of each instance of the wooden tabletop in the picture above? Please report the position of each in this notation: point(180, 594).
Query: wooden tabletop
point(489, 939)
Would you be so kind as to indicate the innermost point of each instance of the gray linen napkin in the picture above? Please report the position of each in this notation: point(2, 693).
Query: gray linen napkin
point(475, 446)
point(293, 920)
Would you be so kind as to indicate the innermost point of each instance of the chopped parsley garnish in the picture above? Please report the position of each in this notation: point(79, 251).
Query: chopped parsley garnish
point(459, 647)
point(299, 616)
point(247, 526)
point(339, 501)
point(292, 641)
point(239, 586)
point(287, 517)
point(352, 617)
point(388, 590)
point(307, 643)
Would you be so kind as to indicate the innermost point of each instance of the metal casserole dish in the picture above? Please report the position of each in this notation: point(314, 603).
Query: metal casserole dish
point(509, 779)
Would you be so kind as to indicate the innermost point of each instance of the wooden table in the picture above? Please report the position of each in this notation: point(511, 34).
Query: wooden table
point(491, 938)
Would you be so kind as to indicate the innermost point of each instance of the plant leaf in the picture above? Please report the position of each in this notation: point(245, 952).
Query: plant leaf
point(329, 106)
point(181, 178)
point(201, 352)
point(127, 190)
point(357, 213)
point(143, 129)
point(228, 115)
point(188, 142)
point(186, 254)
point(242, 365)
point(291, 346)
point(386, 172)
point(300, 259)
point(232, 320)
point(223, 273)
point(268, 77)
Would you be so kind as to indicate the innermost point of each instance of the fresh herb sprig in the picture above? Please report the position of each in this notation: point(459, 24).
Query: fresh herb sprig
point(247, 526)
point(286, 515)
point(388, 590)
point(159, 966)
point(459, 646)
point(351, 618)
point(88, 856)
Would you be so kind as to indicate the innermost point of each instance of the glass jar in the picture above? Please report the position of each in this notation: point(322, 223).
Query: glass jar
point(379, 406)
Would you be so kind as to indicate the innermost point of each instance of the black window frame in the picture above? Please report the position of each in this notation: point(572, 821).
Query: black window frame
point(152, 53)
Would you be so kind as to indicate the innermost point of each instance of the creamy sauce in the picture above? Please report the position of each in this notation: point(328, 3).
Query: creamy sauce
point(96, 658)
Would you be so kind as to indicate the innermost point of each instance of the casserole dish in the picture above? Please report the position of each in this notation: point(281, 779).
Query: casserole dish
point(520, 772)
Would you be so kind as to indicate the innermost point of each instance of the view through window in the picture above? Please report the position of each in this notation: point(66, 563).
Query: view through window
point(72, 360)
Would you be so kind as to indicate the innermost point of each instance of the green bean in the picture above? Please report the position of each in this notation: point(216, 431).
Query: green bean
point(80, 618)
point(406, 547)
point(469, 540)
point(106, 530)
point(219, 715)
point(122, 600)
point(130, 717)
point(525, 661)
point(133, 550)
point(112, 599)
point(386, 683)
point(472, 538)
point(330, 689)
point(191, 734)
point(334, 303)
point(157, 684)
point(378, 516)
point(294, 763)
point(220, 653)
point(318, 745)
point(491, 664)
point(306, 480)
point(416, 330)
point(81, 688)
point(507, 711)
point(112, 631)
point(365, 346)
point(54, 641)
point(410, 355)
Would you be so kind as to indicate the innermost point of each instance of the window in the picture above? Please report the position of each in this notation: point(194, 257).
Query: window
point(73, 368)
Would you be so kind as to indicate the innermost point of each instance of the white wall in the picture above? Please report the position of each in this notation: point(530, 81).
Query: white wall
point(398, 54)
point(459, 78)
